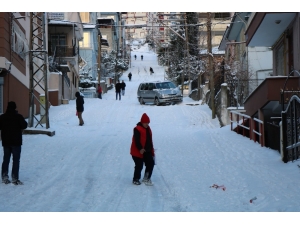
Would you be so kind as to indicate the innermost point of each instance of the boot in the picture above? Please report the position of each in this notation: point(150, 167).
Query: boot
point(145, 177)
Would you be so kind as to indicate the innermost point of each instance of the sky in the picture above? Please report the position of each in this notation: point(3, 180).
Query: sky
point(84, 173)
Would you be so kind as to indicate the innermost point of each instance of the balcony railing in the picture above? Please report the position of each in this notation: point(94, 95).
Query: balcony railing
point(64, 51)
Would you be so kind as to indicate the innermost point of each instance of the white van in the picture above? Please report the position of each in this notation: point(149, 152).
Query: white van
point(158, 93)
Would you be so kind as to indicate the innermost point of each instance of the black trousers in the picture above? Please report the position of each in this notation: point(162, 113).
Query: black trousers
point(118, 93)
point(16, 152)
point(139, 162)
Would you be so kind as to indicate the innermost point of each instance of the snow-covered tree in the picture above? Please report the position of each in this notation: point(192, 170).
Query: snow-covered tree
point(183, 65)
point(112, 65)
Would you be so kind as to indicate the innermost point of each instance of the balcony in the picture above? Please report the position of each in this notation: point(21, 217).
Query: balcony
point(61, 55)
point(267, 96)
point(63, 51)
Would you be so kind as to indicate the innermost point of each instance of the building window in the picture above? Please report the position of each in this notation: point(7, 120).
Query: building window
point(279, 57)
point(85, 17)
point(58, 40)
point(222, 15)
point(86, 42)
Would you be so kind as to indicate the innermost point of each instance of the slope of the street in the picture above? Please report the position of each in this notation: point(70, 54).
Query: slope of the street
point(89, 168)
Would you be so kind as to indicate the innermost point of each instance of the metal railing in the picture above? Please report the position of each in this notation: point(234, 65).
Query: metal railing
point(291, 130)
point(64, 51)
point(283, 91)
point(240, 123)
point(258, 130)
point(254, 129)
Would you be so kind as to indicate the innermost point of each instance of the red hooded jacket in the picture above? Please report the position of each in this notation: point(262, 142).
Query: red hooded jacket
point(134, 151)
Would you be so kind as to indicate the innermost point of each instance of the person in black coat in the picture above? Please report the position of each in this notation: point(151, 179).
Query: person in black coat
point(79, 107)
point(142, 57)
point(151, 70)
point(129, 76)
point(12, 125)
point(118, 90)
point(123, 85)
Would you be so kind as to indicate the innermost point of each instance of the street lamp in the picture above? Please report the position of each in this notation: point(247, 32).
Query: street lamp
point(118, 55)
point(129, 54)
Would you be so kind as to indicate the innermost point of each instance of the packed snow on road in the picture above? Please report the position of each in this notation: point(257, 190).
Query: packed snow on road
point(200, 167)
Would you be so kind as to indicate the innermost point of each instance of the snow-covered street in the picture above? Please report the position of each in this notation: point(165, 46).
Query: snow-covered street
point(89, 169)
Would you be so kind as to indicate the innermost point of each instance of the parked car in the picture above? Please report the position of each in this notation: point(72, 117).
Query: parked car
point(157, 92)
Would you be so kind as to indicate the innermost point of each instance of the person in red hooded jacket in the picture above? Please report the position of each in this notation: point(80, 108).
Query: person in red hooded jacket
point(142, 151)
point(99, 90)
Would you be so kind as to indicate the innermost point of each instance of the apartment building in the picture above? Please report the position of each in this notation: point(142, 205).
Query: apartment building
point(14, 71)
point(164, 20)
point(219, 22)
point(65, 30)
point(88, 46)
point(138, 20)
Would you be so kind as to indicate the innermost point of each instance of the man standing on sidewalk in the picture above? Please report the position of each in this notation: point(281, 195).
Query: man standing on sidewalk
point(12, 125)
point(118, 90)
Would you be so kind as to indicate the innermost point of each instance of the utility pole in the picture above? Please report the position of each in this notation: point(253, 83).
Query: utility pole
point(37, 67)
point(115, 71)
point(99, 56)
point(210, 66)
point(129, 56)
point(152, 33)
point(187, 48)
point(129, 40)
point(199, 84)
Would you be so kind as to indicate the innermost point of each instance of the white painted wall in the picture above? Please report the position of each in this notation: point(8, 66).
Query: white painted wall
point(260, 64)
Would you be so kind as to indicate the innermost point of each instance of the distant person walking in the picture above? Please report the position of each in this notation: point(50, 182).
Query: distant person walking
point(79, 107)
point(142, 151)
point(129, 76)
point(142, 57)
point(123, 85)
point(99, 90)
point(118, 90)
point(12, 125)
point(151, 71)
point(135, 57)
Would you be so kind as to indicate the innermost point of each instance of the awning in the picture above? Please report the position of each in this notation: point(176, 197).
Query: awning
point(61, 22)
point(266, 28)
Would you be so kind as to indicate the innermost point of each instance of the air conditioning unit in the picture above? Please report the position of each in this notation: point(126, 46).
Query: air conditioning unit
point(5, 65)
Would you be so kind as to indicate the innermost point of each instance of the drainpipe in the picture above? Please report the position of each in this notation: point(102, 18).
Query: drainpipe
point(73, 35)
